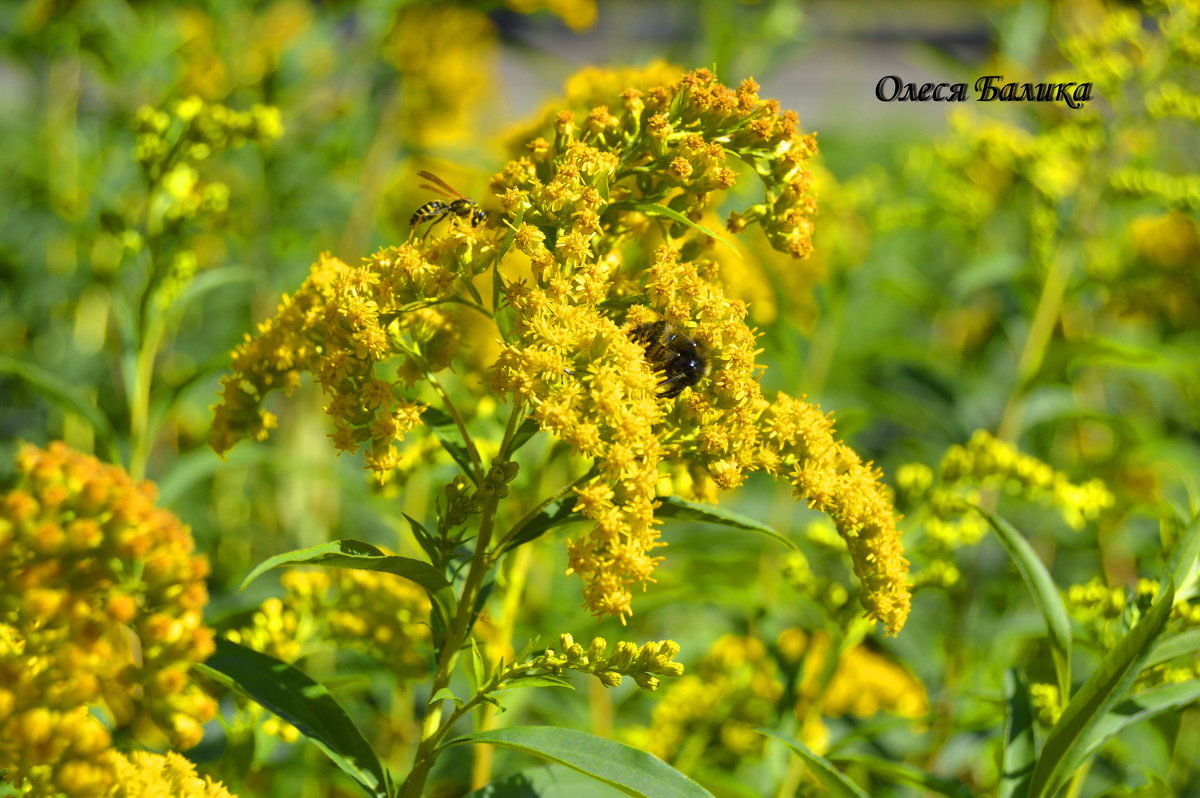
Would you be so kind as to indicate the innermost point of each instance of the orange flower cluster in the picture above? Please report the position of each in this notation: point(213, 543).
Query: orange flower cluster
point(101, 605)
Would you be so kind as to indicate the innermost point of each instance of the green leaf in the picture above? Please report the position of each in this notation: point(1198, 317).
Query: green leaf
point(293, 696)
point(833, 781)
point(1045, 594)
point(552, 781)
point(1066, 744)
point(1185, 561)
point(1135, 709)
point(67, 396)
point(655, 209)
point(631, 771)
point(557, 514)
point(535, 681)
point(445, 694)
point(901, 772)
point(365, 557)
point(441, 424)
point(1175, 646)
point(212, 279)
point(478, 668)
point(529, 428)
point(497, 280)
point(676, 508)
point(1020, 746)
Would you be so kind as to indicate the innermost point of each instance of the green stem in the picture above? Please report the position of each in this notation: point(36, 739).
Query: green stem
point(139, 398)
point(433, 729)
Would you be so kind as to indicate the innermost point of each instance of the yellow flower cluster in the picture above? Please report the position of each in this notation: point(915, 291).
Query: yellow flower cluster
point(142, 774)
point(596, 182)
point(570, 365)
point(365, 333)
point(1047, 703)
point(864, 682)
point(798, 443)
point(100, 606)
point(195, 130)
point(735, 688)
point(626, 659)
point(986, 463)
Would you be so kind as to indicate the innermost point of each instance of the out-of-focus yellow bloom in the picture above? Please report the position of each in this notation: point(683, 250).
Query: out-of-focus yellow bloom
point(1047, 703)
point(735, 688)
point(379, 614)
point(445, 55)
point(988, 463)
point(866, 683)
point(577, 15)
point(101, 605)
point(863, 682)
point(142, 774)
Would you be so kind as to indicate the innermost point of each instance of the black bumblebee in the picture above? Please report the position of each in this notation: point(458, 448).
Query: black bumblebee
point(680, 359)
point(436, 210)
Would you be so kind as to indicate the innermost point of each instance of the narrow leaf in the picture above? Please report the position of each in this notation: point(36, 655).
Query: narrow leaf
point(365, 557)
point(680, 510)
point(552, 781)
point(833, 781)
point(901, 772)
point(556, 514)
point(293, 696)
point(66, 395)
point(445, 694)
point(1185, 561)
point(655, 209)
point(1135, 709)
point(478, 668)
point(1045, 594)
point(631, 771)
point(444, 429)
point(1175, 646)
point(1061, 753)
point(1020, 747)
point(535, 681)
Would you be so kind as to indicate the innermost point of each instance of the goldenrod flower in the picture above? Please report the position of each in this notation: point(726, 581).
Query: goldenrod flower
point(734, 689)
point(644, 663)
point(365, 333)
point(444, 54)
point(988, 463)
point(142, 774)
point(101, 605)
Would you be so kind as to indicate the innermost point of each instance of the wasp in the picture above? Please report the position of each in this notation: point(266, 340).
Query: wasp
point(436, 210)
point(678, 358)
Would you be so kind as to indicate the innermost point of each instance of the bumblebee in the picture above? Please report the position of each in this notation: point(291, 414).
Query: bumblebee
point(436, 210)
point(680, 359)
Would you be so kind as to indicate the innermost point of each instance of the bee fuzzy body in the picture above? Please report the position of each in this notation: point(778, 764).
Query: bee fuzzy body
point(679, 359)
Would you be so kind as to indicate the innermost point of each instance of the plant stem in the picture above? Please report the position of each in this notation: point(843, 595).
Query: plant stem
point(472, 451)
point(433, 729)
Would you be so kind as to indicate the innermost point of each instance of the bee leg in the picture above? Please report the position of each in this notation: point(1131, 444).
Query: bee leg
point(673, 386)
point(434, 219)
